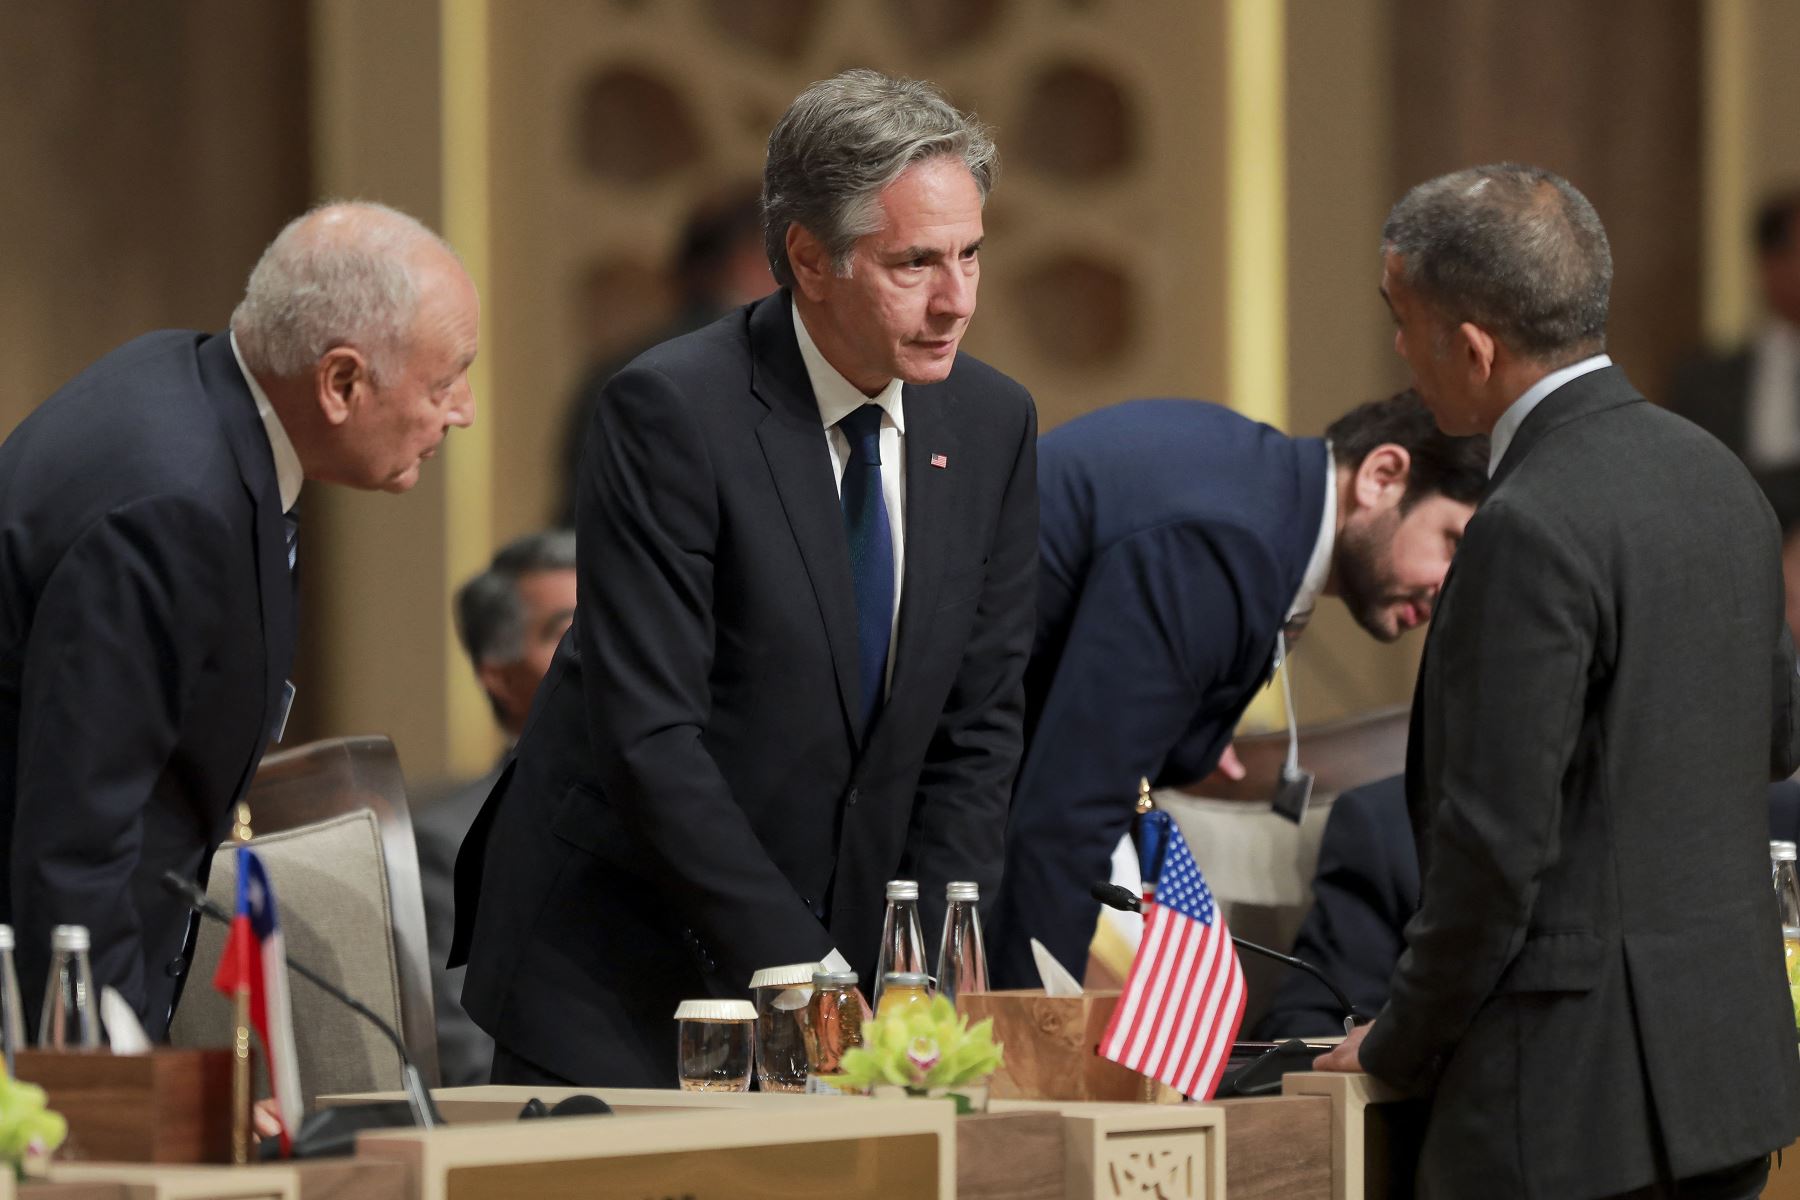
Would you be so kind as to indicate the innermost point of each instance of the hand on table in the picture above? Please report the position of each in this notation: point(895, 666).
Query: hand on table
point(1347, 1055)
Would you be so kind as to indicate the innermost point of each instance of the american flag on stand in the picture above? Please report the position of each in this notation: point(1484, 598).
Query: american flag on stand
point(255, 960)
point(1184, 999)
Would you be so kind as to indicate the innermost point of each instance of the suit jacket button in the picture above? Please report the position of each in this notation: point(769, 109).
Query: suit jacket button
point(176, 968)
point(850, 796)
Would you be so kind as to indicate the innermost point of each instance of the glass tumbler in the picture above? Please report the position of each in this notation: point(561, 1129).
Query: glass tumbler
point(782, 995)
point(715, 1045)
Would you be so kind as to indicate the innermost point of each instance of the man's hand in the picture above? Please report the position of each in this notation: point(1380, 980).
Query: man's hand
point(1229, 766)
point(1346, 1056)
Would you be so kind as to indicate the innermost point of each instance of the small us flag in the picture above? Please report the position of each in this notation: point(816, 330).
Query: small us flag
point(938, 460)
point(1184, 999)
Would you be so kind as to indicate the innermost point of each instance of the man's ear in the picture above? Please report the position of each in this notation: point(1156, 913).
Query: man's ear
point(1476, 347)
point(809, 261)
point(1381, 477)
point(341, 379)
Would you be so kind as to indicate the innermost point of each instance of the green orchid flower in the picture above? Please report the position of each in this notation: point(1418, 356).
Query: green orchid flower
point(25, 1123)
point(921, 1049)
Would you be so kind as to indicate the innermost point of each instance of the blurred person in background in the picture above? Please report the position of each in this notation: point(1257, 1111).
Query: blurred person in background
point(510, 619)
point(1749, 398)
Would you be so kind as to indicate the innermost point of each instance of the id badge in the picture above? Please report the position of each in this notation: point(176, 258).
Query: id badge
point(1292, 794)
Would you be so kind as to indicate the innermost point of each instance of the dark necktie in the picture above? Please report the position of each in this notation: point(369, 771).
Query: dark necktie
point(871, 553)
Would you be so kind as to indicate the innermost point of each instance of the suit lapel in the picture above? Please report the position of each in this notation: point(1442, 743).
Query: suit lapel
point(224, 384)
point(930, 496)
point(793, 444)
point(1582, 396)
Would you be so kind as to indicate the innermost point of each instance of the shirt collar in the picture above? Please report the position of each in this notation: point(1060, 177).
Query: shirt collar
point(1507, 427)
point(837, 397)
point(288, 475)
point(1318, 567)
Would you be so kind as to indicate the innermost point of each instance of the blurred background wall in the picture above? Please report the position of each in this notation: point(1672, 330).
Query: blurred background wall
point(1190, 204)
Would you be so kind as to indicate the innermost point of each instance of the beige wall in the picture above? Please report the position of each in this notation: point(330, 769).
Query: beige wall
point(163, 142)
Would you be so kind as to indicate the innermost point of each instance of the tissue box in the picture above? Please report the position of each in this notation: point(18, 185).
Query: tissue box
point(1052, 1047)
point(167, 1106)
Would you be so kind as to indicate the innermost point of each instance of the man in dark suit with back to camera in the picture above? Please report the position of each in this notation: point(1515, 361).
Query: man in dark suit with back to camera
point(1179, 540)
point(807, 544)
point(147, 545)
point(1592, 989)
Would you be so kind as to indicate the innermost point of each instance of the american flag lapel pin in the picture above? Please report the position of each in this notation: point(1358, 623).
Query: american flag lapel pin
point(938, 460)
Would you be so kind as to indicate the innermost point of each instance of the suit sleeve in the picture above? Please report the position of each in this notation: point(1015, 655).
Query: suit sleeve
point(123, 629)
point(1363, 895)
point(1156, 629)
point(648, 522)
point(1514, 654)
point(958, 827)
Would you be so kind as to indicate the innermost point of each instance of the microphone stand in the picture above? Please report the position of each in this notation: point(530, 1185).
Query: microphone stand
point(418, 1098)
point(1114, 896)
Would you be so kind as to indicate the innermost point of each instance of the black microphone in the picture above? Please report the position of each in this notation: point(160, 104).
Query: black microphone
point(424, 1112)
point(1114, 896)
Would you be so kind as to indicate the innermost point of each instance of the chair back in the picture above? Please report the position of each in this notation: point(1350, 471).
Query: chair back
point(335, 834)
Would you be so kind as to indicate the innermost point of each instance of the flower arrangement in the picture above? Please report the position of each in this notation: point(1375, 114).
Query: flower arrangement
point(27, 1128)
point(926, 1050)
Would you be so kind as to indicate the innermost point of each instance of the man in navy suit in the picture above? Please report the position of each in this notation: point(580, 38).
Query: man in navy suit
point(1178, 540)
point(1366, 889)
point(807, 546)
point(146, 556)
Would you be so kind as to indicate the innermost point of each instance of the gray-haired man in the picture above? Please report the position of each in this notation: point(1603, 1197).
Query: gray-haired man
point(146, 550)
point(808, 550)
point(1592, 986)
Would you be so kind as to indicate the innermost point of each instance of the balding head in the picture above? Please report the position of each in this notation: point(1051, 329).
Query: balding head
point(1513, 249)
point(343, 274)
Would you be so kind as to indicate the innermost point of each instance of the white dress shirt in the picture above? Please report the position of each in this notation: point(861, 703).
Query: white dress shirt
point(1510, 420)
point(1774, 420)
point(1318, 567)
point(837, 398)
point(288, 475)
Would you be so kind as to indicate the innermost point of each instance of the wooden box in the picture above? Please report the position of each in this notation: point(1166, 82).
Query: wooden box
point(1053, 1047)
point(167, 1106)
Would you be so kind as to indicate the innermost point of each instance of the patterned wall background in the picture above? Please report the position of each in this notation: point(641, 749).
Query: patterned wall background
point(606, 135)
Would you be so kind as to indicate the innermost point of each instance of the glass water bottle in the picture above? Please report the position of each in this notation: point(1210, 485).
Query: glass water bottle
point(1787, 899)
point(962, 955)
point(69, 1020)
point(12, 1011)
point(902, 939)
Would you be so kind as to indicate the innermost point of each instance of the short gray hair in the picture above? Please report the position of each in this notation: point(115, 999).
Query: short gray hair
point(490, 616)
point(340, 274)
point(1514, 249)
point(841, 142)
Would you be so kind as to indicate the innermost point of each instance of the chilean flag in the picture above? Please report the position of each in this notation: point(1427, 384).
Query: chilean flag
point(256, 961)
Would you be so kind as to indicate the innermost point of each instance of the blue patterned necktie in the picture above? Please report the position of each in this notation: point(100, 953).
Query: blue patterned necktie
point(290, 533)
point(871, 553)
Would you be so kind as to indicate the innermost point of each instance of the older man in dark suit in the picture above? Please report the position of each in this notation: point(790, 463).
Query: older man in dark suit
point(146, 548)
point(1591, 989)
point(807, 545)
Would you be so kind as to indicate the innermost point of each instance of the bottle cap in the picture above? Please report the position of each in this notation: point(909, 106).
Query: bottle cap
point(792, 975)
point(6, 938)
point(69, 937)
point(715, 1010)
point(905, 979)
point(902, 889)
point(962, 891)
point(1782, 851)
point(834, 979)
